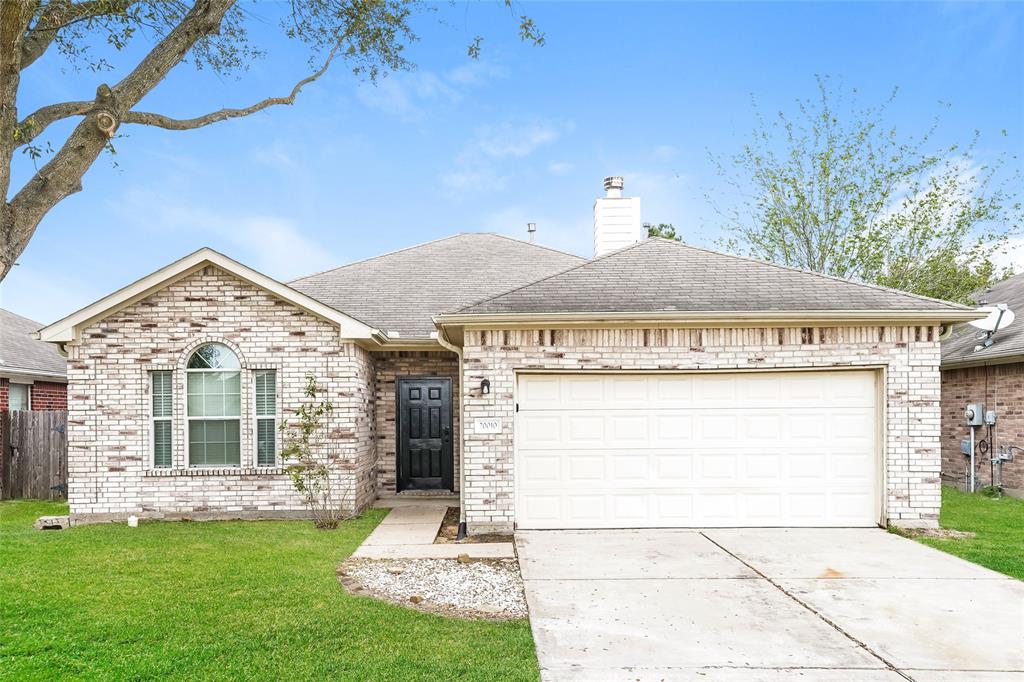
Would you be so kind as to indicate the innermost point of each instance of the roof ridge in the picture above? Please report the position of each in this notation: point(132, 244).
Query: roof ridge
point(379, 255)
point(556, 274)
point(427, 243)
point(833, 278)
point(534, 244)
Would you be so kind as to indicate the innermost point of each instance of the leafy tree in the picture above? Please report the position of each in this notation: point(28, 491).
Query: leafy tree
point(836, 190)
point(663, 230)
point(370, 35)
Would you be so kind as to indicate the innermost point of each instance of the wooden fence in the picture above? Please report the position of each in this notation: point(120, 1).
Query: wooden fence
point(33, 455)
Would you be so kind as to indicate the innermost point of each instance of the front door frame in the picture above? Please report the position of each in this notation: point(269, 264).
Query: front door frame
point(401, 445)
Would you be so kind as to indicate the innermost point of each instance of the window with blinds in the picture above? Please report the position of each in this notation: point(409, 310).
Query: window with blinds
point(163, 407)
point(265, 381)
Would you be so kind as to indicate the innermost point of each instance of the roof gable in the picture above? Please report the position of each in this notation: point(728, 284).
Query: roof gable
point(663, 276)
point(400, 292)
point(67, 329)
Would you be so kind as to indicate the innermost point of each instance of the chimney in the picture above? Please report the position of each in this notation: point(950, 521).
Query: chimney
point(616, 219)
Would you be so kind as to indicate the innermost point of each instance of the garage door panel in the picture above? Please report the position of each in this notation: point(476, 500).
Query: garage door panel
point(774, 449)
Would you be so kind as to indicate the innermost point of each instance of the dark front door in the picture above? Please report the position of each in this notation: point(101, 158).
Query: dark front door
point(425, 459)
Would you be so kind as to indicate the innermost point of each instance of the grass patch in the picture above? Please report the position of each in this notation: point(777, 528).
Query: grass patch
point(212, 600)
point(998, 524)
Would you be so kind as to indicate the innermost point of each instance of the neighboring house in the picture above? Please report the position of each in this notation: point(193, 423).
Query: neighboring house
point(33, 374)
point(658, 384)
point(992, 375)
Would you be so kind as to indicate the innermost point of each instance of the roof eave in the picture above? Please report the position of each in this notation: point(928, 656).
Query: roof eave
point(711, 318)
point(6, 370)
point(68, 329)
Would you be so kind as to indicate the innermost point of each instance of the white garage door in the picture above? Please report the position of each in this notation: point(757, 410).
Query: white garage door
point(697, 450)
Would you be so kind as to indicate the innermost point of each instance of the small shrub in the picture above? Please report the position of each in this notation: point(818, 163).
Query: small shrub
point(308, 461)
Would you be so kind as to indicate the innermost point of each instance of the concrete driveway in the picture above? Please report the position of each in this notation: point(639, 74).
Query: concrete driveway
point(766, 604)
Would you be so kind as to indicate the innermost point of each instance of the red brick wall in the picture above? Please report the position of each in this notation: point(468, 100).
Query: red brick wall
point(5, 392)
point(999, 388)
point(49, 395)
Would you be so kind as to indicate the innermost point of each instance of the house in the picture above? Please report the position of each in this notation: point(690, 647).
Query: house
point(987, 371)
point(33, 374)
point(657, 384)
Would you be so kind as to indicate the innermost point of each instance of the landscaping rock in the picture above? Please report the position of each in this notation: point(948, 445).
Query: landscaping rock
point(463, 559)
point(53, 522)
point(481, 588)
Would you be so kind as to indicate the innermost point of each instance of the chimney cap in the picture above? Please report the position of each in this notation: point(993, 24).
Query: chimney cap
point(613, 182)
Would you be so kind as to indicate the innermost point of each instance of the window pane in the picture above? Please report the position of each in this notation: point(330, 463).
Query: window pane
point(265, 442)
point(162, 443)
point(266, 393)
point(163, 394)
point(214, 394)
point(214, 443)
point(213, 356)
point(18, 397)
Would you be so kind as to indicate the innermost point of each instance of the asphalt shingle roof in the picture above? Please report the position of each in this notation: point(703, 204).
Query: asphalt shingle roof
point(19, 351)
point(1007, 342)
point(403, 290)
point(658, 275)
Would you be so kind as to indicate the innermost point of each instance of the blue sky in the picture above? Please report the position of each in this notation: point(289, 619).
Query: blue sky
point(643, 90)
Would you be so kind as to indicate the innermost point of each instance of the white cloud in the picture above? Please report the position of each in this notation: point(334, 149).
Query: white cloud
point(409, 95)
point(272, 244)
point(515, 140)
point(1011, 255)
point(665, 152)
point(560, 167)
point(482, 164)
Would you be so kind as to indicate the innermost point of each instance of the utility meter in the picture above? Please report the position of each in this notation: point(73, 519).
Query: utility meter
point(975, 414)
point(990, 418)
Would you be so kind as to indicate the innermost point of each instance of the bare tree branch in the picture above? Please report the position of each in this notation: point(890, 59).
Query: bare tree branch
point(62, 175)
point(35, 123)
point(161, 121)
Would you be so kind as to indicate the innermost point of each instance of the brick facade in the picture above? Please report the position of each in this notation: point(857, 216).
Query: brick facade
point(5, 392)
point(49, 395)
point(110, 460)
point(999, 388)
point(909, 357)
point(390, 366)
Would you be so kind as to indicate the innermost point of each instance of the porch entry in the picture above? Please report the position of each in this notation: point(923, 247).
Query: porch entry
point(426, 458)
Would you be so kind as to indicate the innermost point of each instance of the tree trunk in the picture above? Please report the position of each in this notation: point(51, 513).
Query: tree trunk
point(14, 18)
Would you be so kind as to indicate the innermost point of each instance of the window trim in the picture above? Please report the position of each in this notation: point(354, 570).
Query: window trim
point(153, 419)
point(189, 418)
point(273, 418)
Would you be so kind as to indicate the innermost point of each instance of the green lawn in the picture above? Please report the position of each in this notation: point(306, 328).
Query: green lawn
point(252, 600)
point(998, 522)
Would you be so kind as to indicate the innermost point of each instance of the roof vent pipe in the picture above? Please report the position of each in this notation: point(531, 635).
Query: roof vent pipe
point(531, 229)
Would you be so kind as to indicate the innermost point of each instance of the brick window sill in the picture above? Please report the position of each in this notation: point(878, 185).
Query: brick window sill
point(216, 471)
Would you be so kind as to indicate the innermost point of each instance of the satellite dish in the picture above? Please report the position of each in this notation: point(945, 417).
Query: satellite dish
point(999, 317)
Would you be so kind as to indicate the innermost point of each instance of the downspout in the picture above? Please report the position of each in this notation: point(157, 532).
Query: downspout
point(445, 343)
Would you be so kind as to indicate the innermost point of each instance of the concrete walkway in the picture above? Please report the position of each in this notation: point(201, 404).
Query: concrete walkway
point(409, 529)
point(766, 604)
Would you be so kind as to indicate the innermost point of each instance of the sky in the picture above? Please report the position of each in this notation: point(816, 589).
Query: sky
point(653, 92)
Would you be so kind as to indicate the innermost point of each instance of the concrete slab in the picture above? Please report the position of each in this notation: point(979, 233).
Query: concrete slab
point(723, 675)
point(964, 676)
point(607, 625)
point(937, 624)
point(489, 550)
point(623, 554)
point(403, 534)
point(843, 553)
point(416, 514)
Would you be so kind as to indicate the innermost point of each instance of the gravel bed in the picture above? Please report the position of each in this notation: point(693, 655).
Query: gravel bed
point(480, 588)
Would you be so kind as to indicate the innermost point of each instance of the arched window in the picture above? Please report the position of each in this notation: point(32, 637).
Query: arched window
point(214, 406)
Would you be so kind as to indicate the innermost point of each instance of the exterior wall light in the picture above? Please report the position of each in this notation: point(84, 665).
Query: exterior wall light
point(485, 387)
